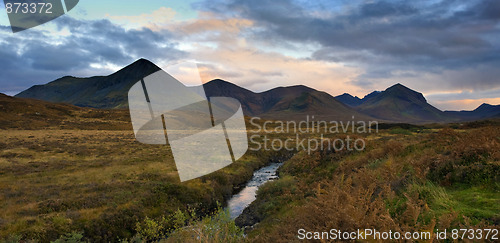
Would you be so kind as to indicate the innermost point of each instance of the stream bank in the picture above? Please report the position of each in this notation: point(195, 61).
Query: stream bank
point(241, 200)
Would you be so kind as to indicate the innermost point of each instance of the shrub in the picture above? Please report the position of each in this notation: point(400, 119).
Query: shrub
point(218, 227)
point(73, 237)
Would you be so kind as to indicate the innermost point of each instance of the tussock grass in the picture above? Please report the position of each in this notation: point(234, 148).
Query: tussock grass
point(99, 183)
point(446, 178)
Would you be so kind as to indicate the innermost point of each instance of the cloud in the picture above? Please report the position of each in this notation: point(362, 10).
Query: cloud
point(464, 99)
point(154, 20)
point(78, 48)
point(209, 22)
point(260, 71)
point(386, 38)
point(465, 104)
point(441, 48)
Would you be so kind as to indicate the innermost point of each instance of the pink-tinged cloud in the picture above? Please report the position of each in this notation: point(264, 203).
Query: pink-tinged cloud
point(155, 20)
point(259, 71)
point(465, 104)
point(209, 22)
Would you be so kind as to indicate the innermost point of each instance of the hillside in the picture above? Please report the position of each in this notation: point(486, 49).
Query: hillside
point(31, 114)
point(401, 104)
point(349, 100)
point(110, 92)
point(353, 101)
point(483, 111)
point(98, 92)
point(285, 103)
point(396, 104)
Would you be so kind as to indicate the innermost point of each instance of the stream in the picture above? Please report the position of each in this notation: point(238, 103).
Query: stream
point(238, 202)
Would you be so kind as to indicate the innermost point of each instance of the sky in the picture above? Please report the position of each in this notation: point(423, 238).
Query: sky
point(449, 50)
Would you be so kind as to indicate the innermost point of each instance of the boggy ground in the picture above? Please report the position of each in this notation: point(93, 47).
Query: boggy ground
point(99, 183)
point(83, 176)
point(407, 179)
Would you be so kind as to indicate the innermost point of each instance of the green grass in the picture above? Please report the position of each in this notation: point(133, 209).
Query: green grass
point(441, 179)
point(100, 183)
point(477, 203)
point(398, 130)
point(63, 184)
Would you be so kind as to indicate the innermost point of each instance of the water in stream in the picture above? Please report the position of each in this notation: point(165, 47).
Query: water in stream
point(240, 201)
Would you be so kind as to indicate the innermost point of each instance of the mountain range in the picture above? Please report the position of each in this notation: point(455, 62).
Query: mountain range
point(395, 104)
point(108, 92)
point(399, 104)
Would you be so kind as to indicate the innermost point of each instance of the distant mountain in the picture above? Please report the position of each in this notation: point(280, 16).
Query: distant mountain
point(256, 103)
point(349, 100)
point(371, 95)
point(396, 104)
point(285, 103)
point(111, 91)
point(481, 112)
point(401, 104)
point(487, 110)
point(253, 103)
point(98, 92)
point(353, 101)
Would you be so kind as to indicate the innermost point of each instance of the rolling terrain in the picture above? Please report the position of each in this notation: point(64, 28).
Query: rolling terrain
point(31, 114)
point(285, 103)
point(484, 111)
point(110, 92)
point(396, 104)
point(98, 92)
point(401, 104)
point(73, 172)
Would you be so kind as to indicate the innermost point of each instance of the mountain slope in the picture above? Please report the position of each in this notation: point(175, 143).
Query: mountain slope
point(294, 102)
point(353, 101)
point(31, 114)
point(401, 104)
point(285, 103)
point(483, 111)
point(349, 100)
point(251, 102)
point(487, 110)
point(98, 92)
point(396, 104)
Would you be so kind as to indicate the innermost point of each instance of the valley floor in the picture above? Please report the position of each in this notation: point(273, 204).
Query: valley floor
point(102, 185)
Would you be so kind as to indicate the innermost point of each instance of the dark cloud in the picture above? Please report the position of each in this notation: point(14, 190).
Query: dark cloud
point(34, 56)
point(385, 9)
point(384, 36)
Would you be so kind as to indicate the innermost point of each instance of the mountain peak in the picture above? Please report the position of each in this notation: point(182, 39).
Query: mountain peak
point(401, 103)
point(98, 91)
point(372, 94)
point(143, 60)
point(486, 107)
point(398, 86)
point(403, 91)
point(349, 100)
point(297, 88)
point(142, 64)
point(218, 81)
point(222, 84)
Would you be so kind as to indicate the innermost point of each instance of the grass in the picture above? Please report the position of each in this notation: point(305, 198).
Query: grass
point(442, 179)
point(477, 203)
point(99, 182)
point(70, 180)
point(398, 130)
